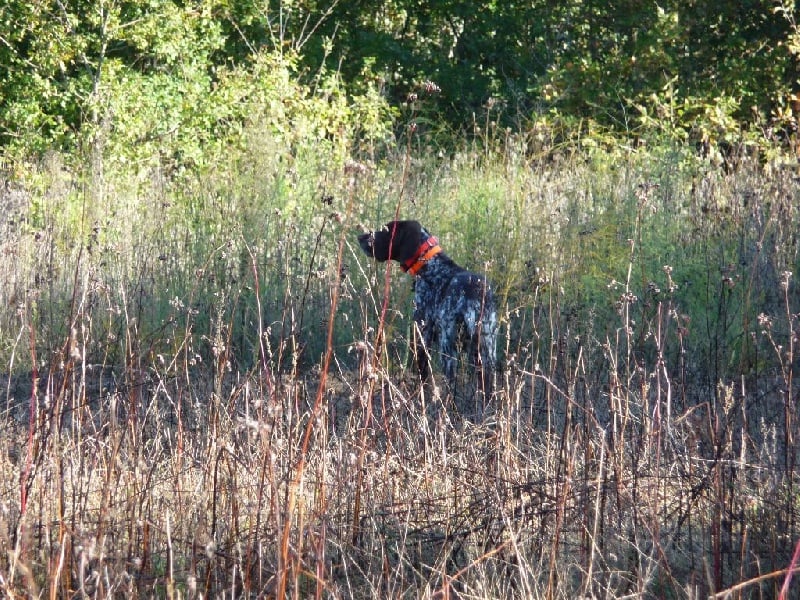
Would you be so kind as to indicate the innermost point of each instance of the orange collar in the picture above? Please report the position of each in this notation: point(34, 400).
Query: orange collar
point(427, 250)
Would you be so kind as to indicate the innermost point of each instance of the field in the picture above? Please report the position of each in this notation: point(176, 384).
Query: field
point(207, 390)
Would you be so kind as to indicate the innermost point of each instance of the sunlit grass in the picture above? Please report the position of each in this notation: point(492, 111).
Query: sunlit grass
point(173, 331)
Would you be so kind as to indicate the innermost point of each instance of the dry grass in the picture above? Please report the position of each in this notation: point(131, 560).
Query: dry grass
point(188, 420)
point(181, 492)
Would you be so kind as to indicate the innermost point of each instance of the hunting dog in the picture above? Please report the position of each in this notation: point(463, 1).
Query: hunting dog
point(453, 306)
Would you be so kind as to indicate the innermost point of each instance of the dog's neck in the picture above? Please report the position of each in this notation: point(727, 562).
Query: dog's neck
point(426, 251)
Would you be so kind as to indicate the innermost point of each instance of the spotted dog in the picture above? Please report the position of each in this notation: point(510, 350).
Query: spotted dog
point(452, 304)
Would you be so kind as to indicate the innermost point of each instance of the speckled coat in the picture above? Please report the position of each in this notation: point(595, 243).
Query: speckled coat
point(451, 303)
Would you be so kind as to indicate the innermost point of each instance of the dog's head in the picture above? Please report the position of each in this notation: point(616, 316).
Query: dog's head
point(397, 240)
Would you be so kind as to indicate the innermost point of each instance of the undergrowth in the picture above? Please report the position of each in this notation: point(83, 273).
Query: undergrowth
point(207, 389)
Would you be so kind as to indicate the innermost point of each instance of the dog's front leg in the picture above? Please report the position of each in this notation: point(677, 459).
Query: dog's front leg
point(420, 344)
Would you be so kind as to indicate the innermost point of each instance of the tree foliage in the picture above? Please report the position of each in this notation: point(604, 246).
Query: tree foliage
point(76, 66)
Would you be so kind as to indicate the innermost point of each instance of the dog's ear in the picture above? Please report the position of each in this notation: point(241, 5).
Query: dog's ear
point(410, 232)
point(417, 232)
point(406, 237)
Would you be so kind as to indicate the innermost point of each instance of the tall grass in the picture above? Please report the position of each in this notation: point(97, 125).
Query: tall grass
point(198, 403)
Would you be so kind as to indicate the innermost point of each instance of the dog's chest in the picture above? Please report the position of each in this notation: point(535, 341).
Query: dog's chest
point(433, 290)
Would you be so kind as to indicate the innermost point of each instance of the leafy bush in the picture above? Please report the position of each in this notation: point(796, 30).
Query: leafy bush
point(185, 192)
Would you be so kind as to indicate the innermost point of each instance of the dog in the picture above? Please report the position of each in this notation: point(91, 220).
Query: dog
point(451, 304)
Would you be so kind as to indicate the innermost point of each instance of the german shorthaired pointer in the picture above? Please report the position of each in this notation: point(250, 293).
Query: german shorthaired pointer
point(452, 305)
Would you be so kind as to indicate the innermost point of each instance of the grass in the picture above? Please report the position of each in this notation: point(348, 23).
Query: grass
point(207, 389)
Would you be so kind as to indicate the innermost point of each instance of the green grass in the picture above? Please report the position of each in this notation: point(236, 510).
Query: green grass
point(195, 431)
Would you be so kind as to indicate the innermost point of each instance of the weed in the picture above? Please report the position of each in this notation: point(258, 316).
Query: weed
point(206, 389)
